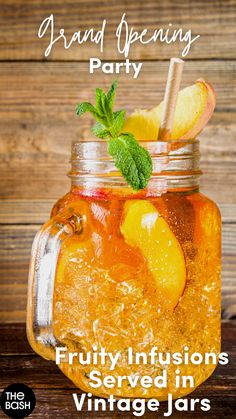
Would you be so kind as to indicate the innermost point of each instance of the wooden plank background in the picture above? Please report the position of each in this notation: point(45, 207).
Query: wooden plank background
point(53, 390)
point(37, 121)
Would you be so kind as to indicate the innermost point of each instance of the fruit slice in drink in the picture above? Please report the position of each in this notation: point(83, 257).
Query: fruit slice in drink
point(145, 229)
point(194, 108)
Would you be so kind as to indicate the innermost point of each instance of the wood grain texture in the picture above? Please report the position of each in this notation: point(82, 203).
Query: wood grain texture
point(53, 390)
point(214, 21)
point(50, 406)
point(37, 122)
point(15, 248)
point(14, 340)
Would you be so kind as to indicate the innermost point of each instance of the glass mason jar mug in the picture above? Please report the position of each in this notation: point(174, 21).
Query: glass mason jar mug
point(118, 269)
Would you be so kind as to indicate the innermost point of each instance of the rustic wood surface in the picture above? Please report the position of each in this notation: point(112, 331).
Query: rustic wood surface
point(37, 128)
point(37, 124)
point(18, 363)
point(37, 120)
point(213, 20)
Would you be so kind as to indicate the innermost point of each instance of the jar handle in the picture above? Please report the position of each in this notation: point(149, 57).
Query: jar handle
point(44, 257)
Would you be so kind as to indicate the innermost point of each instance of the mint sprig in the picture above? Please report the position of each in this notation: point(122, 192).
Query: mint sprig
point(130, 158)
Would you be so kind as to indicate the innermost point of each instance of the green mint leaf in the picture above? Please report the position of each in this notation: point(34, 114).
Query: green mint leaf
point(107, 111)
point(103, 108)
point(99, 104)
point(100, 131)
point(119, 120)
point(131, 159)
point(83, 107)
point(103, 111)
point(111, 94)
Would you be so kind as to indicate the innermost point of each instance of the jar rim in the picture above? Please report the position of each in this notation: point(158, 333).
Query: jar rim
point(97, 149)
point(154, 141)
point(174, 161)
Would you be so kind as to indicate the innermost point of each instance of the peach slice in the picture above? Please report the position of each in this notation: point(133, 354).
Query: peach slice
point(145, 229)
point(195, 106)
point(74, 257)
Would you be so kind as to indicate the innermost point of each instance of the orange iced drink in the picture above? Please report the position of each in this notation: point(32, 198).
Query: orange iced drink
point(141, 272)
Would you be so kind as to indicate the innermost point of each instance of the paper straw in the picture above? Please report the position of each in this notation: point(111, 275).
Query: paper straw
point(170, 99)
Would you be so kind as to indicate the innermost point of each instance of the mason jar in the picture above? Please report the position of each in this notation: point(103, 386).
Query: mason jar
point(115, 268)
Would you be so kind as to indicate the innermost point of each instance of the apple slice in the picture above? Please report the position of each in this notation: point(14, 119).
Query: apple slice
point(145, 229)
point(195, 106)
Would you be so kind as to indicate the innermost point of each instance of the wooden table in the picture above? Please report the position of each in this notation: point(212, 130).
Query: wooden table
point(18, 363)
point(38, 123)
